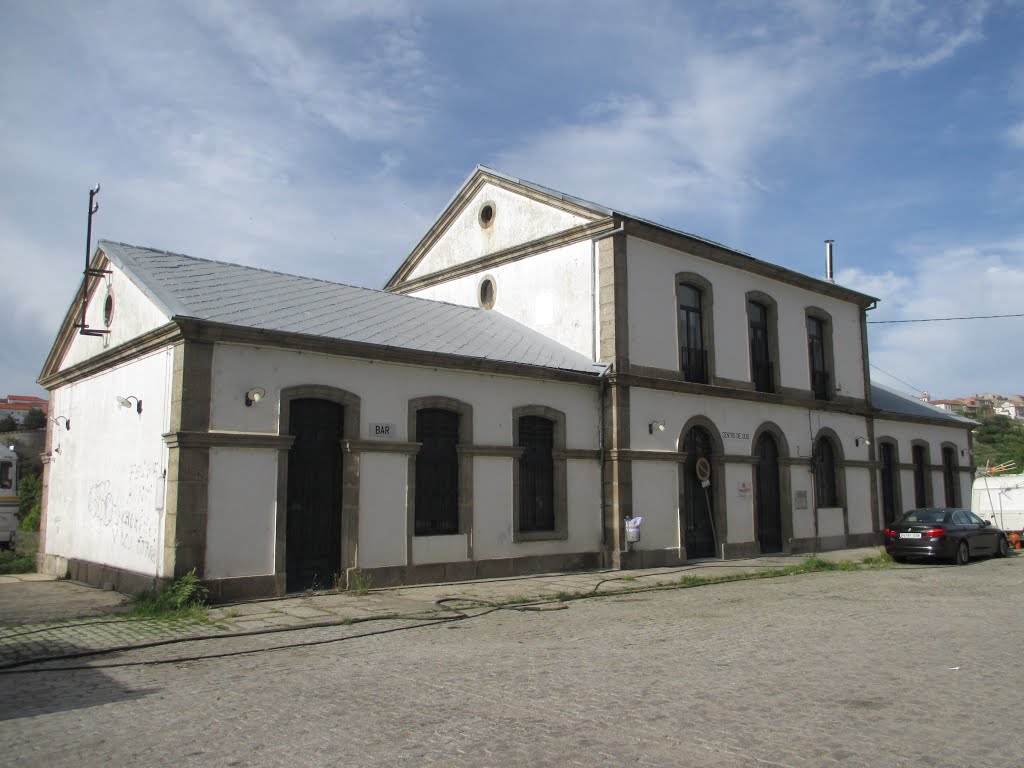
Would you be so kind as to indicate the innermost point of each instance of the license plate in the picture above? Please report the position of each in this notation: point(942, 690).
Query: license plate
point(910, 535)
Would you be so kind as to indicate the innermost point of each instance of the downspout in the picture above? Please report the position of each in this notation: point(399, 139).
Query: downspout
point(603, 377)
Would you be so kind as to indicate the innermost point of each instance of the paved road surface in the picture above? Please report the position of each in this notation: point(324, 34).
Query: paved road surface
point(912, 666)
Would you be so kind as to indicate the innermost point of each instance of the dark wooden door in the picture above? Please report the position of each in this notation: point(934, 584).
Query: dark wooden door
point(888, 483)
point(313, 544)
point(698, 502)
point(536, 474)
point(437, 472)
point(769, 510)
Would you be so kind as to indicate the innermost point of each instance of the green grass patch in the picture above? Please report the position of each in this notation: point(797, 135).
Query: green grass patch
point(360, 582)
point(881, 560)
point(183, 598)
point(16, 562)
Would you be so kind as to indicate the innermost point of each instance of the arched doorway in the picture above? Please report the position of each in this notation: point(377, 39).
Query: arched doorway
point(699, 535)
point(768, 510)
point(314, 497)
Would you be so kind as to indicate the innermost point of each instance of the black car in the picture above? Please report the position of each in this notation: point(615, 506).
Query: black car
point(943, 532)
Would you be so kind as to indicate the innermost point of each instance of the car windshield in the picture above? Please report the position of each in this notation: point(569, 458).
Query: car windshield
point(925, 516)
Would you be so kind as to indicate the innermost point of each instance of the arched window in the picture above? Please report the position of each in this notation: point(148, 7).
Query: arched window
point(761, 372)
point(950, 476)
point(825, 485)
point(696, 329)
point(437, 472)
point(819, 353)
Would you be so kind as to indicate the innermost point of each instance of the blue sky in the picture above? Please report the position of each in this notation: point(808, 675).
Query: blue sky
point(323, 138)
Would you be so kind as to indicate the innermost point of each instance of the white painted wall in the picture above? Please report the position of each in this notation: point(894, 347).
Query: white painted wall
point(550, 292)
point(653, 323)
point(385, 390)
point(383, 528)
point(517, 220)
point(656, 500)
point(133, 316)
point(242, 517)
point(107, 474)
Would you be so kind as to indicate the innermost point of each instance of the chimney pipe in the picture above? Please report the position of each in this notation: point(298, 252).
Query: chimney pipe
point(828, 260)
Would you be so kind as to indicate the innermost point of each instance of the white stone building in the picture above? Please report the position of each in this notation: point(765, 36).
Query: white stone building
point(539, 369)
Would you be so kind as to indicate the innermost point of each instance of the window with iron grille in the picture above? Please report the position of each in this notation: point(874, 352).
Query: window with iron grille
point(760, 347)
point(693, 355)
point(437, 472)
point(536, 474)
point(825, 487)
point(6, 474)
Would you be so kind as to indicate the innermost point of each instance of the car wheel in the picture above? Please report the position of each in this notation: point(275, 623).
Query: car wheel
point(963, 554)
point(1002, 547)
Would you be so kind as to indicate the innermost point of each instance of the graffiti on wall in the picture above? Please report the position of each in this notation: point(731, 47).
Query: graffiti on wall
point(128, 512)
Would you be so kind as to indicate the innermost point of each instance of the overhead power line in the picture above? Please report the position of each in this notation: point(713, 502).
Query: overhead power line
point(901, 381)
point(944, 319)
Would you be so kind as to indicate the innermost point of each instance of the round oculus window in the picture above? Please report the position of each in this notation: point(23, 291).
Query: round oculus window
point(487, 212)
point(108, 310)
point(487, 292)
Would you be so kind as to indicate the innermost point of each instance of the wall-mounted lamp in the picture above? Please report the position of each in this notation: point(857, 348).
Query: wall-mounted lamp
point(56, 420)
point(126, 402)
point(656, 425)
point(858, 440)
point(254, 395)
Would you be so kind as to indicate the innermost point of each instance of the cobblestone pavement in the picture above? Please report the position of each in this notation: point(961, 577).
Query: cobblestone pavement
point(38, 616)
point(908, 666)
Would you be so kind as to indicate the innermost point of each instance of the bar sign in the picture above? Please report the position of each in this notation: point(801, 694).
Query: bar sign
point(383, 431)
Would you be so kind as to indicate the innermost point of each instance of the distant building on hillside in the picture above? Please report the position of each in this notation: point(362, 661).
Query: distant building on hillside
point(1012, 407)
point(16, 406)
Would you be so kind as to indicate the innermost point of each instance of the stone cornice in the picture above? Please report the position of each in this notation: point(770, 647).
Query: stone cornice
point(138, 347)
point(508, 255)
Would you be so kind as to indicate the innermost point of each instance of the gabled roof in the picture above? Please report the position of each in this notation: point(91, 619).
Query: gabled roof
point(699, 245)
point(233, 294)
point(890, 401)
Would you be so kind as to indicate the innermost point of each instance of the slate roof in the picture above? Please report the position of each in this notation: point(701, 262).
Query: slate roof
point(890, 401)
point(233, 294)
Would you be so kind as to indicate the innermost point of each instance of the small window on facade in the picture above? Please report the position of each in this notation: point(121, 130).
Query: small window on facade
point(920, 461)
point(536, 474)
point(760, 354)
point(950, 472)
point(693, 355)
point(825, 487)
point(6, 474)
point(816, 329)
point(437, 472)
point(488, 292)
point(108, 310)
point(487, 213)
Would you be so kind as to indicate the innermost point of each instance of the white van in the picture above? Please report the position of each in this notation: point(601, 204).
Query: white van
point(8, 497)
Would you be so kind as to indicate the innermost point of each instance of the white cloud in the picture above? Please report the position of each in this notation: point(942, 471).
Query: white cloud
point(1015, 134)
point(914, 36)
point(952, 358)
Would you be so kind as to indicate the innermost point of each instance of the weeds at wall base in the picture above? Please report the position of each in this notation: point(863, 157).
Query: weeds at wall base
point(182, 599)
